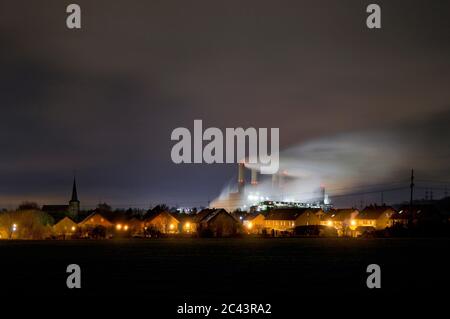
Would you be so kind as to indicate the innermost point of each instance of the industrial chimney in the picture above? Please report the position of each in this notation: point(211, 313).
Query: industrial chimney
point(241, 177)
point(254, 181)
point(281, 179)
point(275, 181)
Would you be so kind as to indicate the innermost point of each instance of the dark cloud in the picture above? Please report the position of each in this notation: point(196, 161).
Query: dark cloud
point(103, 100)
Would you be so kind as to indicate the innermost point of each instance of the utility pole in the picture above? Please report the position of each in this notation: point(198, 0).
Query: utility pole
point(382, 199)
point(411, 213)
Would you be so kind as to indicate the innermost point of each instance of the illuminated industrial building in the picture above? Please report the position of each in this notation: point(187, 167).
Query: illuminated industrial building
point(253, 197)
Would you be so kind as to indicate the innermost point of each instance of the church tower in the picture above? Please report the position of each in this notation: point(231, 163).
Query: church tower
point(74, 204)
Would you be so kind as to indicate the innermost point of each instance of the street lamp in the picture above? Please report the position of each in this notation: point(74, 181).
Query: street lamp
point(13, 230)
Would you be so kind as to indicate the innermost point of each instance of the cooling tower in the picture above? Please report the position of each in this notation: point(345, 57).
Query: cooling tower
point(254, 181)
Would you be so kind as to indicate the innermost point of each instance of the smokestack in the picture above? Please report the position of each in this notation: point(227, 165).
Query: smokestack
point(254, 181)
point(241, 177)
point(275, 181)
point(281, 179)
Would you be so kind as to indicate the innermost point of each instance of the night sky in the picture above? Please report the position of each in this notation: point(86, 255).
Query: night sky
point(103, 100)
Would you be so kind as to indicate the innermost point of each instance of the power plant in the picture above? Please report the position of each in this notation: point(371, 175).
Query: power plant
point(262, 195)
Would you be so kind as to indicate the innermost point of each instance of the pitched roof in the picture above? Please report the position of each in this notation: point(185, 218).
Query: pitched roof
point(402, 214)
point(252, 216)
point(289, 213)
point(202, 214)
point(152, 215)
point(102, 214)
point(420, 211)
point(65, 218)
point(341, 214)
point(214, 213)
point(373, 212)
point(184, 217)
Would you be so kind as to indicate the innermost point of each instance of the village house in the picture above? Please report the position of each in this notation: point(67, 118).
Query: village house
point(89, 226)
point(284, 220)
point(254, 224)
point(65, 228)
point(134, 225)
point(124, 224)
point(373, 218)
point(216, 223)
point(161, 222)
point(197, 218)
point(96, 219)
point(187, 223)
point(421, 214)
point(402, 217)
point(341, 219)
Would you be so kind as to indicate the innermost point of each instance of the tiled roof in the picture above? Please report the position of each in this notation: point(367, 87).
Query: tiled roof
point(288, 213)
point(149, 217)
point(206, 215)
point(341, 214)
point(202, 214)
point(374, 212)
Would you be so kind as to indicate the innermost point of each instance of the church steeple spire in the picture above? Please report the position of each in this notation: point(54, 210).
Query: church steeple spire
point(74, 191)
point(74, 204)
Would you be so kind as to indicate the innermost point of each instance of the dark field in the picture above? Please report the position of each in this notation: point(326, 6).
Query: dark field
point(219, 270)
